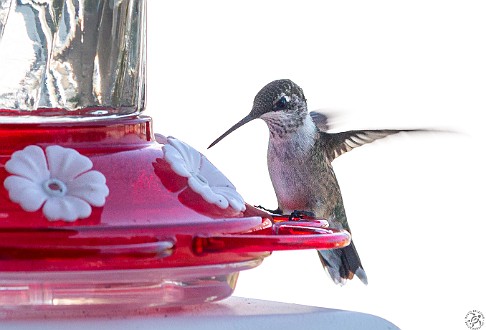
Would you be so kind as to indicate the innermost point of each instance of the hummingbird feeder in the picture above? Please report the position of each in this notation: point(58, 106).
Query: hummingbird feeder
point(96, 211)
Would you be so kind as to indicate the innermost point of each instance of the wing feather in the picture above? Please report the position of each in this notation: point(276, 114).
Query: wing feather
point(321, 120)
point(342, 142)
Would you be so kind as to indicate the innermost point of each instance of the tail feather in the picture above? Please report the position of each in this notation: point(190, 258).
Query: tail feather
point(342, 264)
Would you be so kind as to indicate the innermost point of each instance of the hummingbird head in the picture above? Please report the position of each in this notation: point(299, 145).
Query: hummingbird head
point(281, 104)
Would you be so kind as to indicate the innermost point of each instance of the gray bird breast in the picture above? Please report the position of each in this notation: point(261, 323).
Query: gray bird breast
point(301, 174)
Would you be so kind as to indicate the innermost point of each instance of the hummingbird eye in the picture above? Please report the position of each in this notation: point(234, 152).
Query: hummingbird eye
point(281, 104)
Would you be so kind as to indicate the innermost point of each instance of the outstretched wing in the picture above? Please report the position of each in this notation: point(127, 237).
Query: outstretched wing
point(337, 144)
point(342, 142)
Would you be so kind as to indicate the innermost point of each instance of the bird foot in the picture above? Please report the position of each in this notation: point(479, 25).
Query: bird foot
point(299, 215)
point(276, 211)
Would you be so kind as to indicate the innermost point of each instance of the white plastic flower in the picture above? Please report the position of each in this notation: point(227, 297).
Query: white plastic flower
point(59, 181)
point(203, 177)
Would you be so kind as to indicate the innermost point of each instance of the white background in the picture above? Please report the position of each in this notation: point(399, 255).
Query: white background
point(415, 203)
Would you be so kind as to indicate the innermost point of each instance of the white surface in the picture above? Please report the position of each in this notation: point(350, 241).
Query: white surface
point(415, 203)
point(233, 313)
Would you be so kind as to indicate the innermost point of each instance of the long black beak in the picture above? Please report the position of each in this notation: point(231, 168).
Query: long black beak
point(234, 127)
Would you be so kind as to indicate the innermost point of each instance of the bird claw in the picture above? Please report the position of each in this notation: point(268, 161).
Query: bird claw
point(301, 215)
point(276, 211)
point(302, 221)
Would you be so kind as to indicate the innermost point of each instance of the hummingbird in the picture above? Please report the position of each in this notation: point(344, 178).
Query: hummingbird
point(299, 158)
